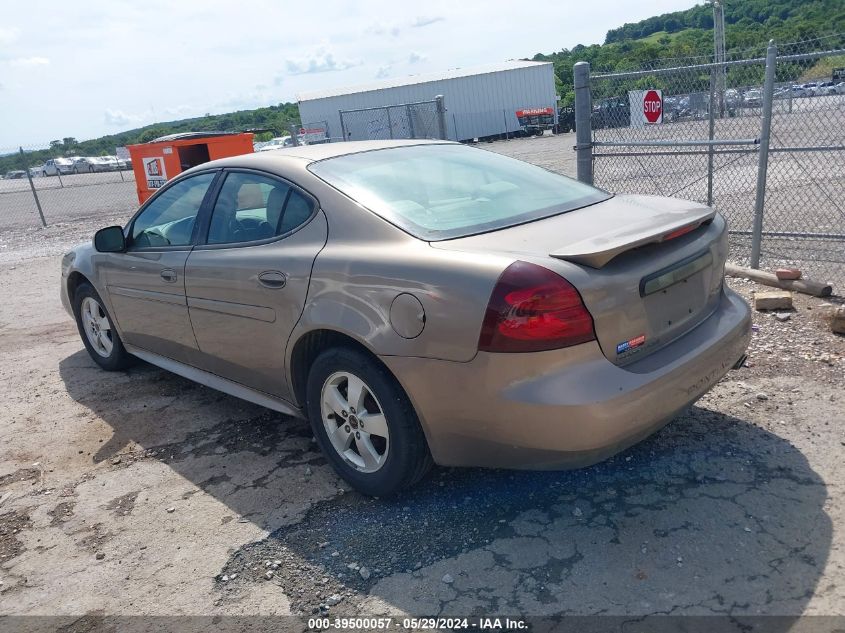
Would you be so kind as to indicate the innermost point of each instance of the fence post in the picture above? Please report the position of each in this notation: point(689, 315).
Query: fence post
point(294, 135)
point(763, 156)
point(389, 122)
point(342, 126)
point(32, 186)
point(441, 116)
point(583, 133)
point(711, 134)
point(410, 121)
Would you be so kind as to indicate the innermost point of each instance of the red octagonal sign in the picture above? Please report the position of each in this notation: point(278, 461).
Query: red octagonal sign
point(652, 106)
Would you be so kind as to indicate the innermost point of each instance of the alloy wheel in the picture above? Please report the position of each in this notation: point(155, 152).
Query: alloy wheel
point(354, 421)
point(96, 326)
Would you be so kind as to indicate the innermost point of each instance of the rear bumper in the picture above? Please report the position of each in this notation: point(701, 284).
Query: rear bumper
point(566, 408)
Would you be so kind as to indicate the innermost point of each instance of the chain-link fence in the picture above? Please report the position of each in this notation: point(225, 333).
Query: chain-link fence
point(425, 119)
point(39, 187)
point(762, 139)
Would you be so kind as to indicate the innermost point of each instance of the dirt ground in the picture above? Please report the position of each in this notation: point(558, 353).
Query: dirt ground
point(141, 493)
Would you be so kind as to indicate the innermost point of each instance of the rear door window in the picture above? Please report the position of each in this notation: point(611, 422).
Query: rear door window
point(252, 207)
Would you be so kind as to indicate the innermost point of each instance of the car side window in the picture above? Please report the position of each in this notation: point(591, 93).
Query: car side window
point(252, 207)
point(169, 219)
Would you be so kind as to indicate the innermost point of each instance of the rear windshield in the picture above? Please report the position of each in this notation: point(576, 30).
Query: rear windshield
point(438, 192)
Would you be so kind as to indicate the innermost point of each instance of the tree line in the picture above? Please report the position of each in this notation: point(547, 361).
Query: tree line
point(276, 119)
point(749, 25)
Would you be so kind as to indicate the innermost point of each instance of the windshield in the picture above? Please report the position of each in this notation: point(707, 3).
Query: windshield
point(437, 192)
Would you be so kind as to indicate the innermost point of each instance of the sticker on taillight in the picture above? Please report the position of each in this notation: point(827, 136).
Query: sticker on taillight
point(626, 346)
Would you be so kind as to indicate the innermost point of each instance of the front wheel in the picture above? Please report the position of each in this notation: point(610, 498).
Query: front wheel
point(365, 424)
point(97, 330)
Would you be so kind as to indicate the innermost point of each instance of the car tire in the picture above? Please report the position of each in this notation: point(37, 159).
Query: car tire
point(100, 337)
point(380, 459)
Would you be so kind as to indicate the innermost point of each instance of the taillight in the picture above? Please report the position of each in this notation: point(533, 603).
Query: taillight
point(533, 309)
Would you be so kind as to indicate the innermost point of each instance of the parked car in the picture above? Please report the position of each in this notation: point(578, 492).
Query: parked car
point(119, 164)
point(56, 166)
point(611, 112)
point(753, 98)
point(275, 143)
point(35, 171)
point(419, 302)
point(15, 174)
point(840, 88)
point(799, 91)
point(90, 164)
point(825, 89)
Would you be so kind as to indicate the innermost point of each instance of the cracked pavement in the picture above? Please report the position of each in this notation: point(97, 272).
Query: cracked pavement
point(142, 493)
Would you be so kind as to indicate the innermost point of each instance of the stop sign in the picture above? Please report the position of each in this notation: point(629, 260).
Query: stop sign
point(652, 106)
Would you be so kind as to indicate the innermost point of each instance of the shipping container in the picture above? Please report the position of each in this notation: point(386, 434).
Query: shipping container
point(480, 102)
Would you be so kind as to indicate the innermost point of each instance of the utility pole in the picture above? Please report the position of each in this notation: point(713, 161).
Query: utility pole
point(719, 52)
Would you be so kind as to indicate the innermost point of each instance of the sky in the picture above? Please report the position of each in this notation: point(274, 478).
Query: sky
point(85, 69)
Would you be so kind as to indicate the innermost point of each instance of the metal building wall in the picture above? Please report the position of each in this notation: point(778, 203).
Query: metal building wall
point(476, 105)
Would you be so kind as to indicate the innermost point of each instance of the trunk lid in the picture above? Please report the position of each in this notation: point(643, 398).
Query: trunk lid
point(649, 269)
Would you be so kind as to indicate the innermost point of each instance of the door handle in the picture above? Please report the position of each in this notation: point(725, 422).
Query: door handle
point(169, 275)
point(273, 279)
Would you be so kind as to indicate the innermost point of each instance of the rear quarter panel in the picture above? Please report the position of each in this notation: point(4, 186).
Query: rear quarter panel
point(367, 262)
point(354, 285)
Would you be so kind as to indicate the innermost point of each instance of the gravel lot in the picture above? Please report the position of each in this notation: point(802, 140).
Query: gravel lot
point(72, 198)
point(142, 493)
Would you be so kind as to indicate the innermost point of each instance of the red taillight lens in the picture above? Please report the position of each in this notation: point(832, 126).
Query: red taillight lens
point(533, 309)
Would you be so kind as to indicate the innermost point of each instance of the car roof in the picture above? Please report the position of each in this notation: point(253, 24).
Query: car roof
point(311, 153)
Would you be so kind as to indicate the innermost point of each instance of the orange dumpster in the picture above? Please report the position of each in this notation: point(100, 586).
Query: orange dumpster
point(156, 162)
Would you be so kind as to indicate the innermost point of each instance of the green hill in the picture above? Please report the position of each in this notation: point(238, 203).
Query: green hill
point(749, 25)
point(276, 118)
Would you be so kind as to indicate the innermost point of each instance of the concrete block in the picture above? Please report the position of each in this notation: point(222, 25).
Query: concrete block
point(837, 323)
point(773, 300)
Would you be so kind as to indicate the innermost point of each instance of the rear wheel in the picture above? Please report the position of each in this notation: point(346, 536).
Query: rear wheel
point(365, 423)
point(97, 330)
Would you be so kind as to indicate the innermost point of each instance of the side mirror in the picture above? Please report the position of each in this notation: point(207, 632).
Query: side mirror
point(110, 240)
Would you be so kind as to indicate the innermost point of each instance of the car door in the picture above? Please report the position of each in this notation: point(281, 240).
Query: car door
point(246, 286)
point(146, 283)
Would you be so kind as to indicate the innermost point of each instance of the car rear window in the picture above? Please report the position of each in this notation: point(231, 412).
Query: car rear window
point(438, 192)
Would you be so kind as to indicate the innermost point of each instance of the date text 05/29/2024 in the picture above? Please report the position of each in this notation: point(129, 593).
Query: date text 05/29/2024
point(417, 624)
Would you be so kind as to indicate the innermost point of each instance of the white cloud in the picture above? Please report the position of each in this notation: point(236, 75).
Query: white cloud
point(8, 34)
point(422, 20)
point(28, 62)
point(178, 111)
point(416, 58)
point(321, 60)
point(120, 118)
point(382, 28)
point(383, 71)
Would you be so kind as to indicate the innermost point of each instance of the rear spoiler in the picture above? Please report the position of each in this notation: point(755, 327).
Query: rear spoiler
point(597, 251)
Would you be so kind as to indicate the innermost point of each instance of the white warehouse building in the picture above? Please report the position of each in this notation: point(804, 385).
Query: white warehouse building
point(479, 102)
